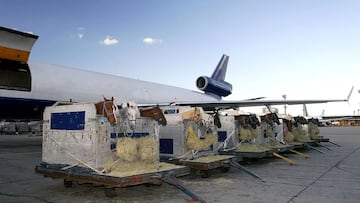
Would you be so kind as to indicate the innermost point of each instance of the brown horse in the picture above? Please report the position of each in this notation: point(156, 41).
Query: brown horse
point(288, 124)
point(107, 108)
point(300, 120)
point(154, 113)
point(247, 121)
point(270, 118)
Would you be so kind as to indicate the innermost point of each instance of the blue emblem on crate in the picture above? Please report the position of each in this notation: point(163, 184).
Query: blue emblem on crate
point(166, 146)
point(133, 135)
point(171, 111)
point(113, 135)
point(68, 121)
point(112, 145)
point(222, 135)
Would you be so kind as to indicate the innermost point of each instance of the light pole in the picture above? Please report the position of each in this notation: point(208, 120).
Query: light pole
point(284, 97)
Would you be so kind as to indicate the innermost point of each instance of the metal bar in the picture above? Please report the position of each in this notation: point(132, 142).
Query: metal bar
point(323, 146)
point(311, 147)
point(175, 182)
point(238, 166)
point(289, 161)
point(299, 153)
point(335, 144)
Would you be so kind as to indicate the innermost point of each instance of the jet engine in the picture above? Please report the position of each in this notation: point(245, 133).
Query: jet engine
point(212, 86)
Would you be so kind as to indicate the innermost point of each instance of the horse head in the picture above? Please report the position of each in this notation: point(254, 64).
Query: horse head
point(108, 108)
point(217, 121)
point(253, 121)
point(129, 111)
point(275, 118)
point(154, 113)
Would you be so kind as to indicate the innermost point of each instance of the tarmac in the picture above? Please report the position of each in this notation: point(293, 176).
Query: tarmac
point(333, 176)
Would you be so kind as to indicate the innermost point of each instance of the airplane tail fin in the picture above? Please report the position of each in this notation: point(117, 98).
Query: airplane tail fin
point(220, 70)
point(349, 95)
point(305, 111)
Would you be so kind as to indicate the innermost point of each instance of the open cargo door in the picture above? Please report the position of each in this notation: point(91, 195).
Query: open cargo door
point(15, 47)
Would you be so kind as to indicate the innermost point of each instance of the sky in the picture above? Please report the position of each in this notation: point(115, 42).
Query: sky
point(304, 49)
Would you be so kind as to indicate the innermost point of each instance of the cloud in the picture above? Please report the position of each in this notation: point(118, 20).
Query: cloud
point(80, 32)
point(81, 35)
point(109, 41)
point(149, 40)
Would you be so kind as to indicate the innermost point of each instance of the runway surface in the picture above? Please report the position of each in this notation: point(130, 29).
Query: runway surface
point(330, 177)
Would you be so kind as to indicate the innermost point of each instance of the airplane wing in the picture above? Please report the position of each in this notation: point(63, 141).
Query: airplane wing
point(223, 104)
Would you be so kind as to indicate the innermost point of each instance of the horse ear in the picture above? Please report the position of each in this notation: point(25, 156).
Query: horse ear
point(112, 98)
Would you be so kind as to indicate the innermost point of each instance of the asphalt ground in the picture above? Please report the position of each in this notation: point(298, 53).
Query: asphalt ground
point(330, 177)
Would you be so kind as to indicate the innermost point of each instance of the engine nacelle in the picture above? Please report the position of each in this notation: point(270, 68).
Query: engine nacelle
point(209, 85)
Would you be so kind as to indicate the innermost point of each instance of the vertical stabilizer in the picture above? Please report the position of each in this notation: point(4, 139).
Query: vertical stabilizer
point(305, 112)
point(220, 70)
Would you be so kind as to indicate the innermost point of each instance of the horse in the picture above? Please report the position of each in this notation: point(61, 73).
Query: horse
point(253, 121)
point(288, 124)
point(154, 113)
point(270, 118)
point(248, 120)
point(129, 111)
point(107, 108)
point(300, 120)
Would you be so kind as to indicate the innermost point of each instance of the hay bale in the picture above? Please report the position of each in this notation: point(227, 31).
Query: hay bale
point(269, 131)
point(209, 140)
point(254, 133)
point(195, 143)
point(300, 135)
point(245, 134)
point(148, 149)
point(126, 149)
point(314, 132)
point(193, 114)
point(288, 137)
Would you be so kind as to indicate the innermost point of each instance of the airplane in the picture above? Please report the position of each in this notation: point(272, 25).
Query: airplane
point(26, 88)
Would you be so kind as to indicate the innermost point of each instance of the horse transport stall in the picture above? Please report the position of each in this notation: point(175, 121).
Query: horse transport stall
point(238, 134)
point(272, 133)
point(296, 135)
point(190, 139)
point(82, 145)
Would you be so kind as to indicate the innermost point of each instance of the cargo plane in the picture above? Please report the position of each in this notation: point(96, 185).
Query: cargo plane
point(26, 88)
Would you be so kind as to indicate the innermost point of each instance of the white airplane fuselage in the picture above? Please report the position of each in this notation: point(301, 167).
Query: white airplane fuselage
point(58, 83)
point(51, 83)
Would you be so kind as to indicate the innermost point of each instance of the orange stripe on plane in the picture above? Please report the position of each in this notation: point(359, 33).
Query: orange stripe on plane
point(14, 54)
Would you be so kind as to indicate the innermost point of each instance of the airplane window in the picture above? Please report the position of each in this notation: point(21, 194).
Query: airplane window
point(14, 75)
